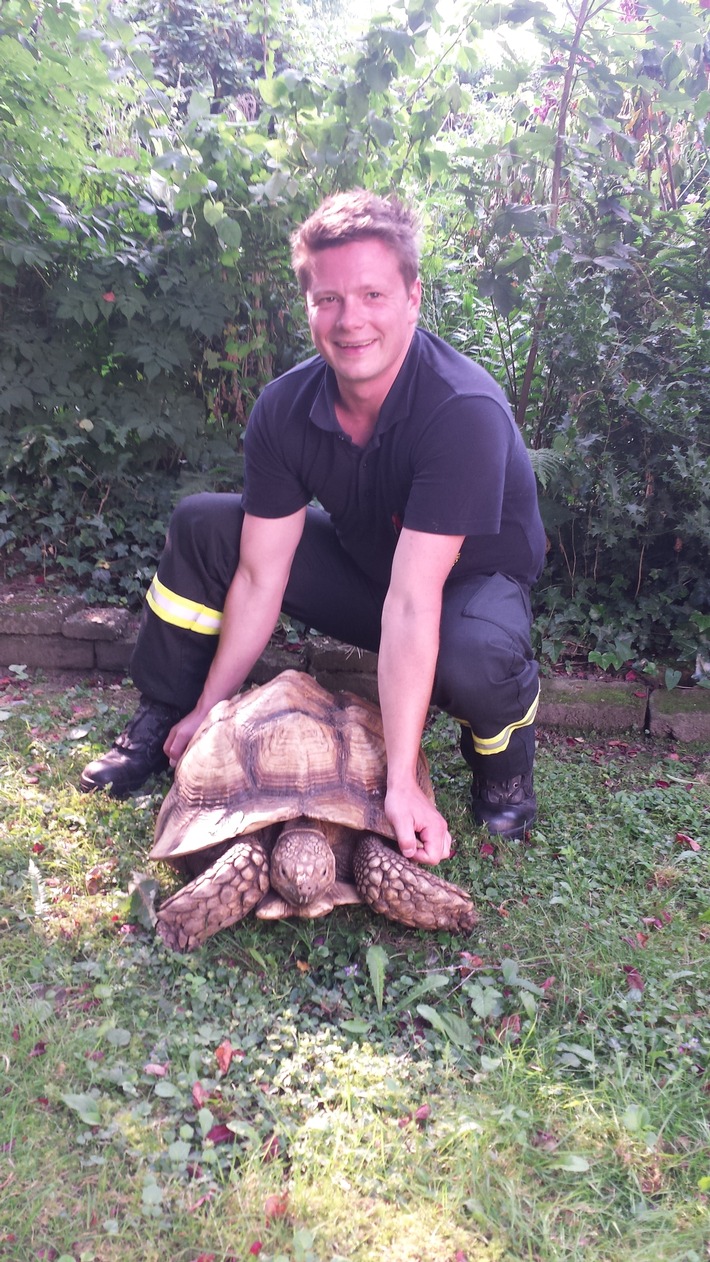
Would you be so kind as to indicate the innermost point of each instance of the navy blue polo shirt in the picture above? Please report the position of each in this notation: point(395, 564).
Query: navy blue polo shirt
point(446, 457)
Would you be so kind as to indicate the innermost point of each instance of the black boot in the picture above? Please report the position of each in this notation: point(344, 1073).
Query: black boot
point(507, 807)
point(136, 754)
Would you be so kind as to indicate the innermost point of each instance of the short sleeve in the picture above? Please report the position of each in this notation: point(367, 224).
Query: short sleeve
point(459, 475)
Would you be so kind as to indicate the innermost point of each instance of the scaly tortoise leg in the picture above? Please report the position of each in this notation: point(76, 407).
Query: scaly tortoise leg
point(408, 892)
point(220, 896)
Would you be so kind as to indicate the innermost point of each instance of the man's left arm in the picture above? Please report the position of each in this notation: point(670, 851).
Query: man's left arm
point(408, 654)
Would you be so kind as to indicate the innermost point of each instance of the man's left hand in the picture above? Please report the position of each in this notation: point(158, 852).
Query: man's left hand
point(422, 832)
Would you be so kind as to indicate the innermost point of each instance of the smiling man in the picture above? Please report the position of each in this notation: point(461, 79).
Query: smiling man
point(423, 547)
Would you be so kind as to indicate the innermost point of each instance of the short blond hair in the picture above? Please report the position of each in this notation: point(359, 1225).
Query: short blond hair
point(358, 215)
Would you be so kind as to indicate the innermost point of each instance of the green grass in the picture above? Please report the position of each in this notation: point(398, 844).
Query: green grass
point(344, 1089)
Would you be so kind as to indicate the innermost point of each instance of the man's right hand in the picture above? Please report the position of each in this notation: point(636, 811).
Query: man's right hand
point(181, 734)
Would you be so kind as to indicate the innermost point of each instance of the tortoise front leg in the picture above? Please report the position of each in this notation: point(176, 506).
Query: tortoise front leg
point(405, 891)
point(220, 896)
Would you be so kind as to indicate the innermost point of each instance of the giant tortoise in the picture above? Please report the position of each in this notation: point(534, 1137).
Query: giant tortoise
point(277, 807)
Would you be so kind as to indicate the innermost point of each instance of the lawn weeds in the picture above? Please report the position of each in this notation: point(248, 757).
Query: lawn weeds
point(345, 1089)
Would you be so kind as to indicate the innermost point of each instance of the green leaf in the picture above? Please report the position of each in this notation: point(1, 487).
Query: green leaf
point(166, 1089)
point(142, 891)
point(118, 1037)
point(433, 981)
point(86, 1106)
point(229, 232)
point(672, 678)
point(636, 1118)
point(570, 1161)
point(377, 961)
point(355, 1026)
point(449, 1024)
point(213, 212)
point(198, 106)
point(485, 1001)
point(152, 1194)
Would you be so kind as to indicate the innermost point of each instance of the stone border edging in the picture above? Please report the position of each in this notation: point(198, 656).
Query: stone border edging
point(62, 633)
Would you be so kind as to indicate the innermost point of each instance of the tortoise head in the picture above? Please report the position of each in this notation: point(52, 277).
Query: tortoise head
point(302, 862)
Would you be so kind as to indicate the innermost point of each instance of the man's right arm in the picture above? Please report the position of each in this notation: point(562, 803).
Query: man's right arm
point(251, 609)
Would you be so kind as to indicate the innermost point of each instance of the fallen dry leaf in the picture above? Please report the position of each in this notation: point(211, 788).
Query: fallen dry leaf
point(633, 977)
point(684, 840)
point(220, 1134)
point(271, 1147)
point(276, 1205)
point(224, 1054)
point(199, 1095)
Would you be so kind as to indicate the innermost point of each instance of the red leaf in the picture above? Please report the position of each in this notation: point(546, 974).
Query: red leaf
point(404, 1121)
point(509, 1025)
point(255, 1248)
point(199, 1095)
point(684, 840)
point(662, 784)
point(271, 1147)
point(15, 1033)
point(39, 1049)
point(220, 1134)
point(109, 296)
point(201, 1200)
point(276, 1205)
point(548, 982)
point(633, 977)
point(158, 1071)
point(469, 963)
point(223, 1055)
point(486, 850)
point(423, 1113)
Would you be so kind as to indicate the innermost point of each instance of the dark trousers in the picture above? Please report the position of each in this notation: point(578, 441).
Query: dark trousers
point(486, 676)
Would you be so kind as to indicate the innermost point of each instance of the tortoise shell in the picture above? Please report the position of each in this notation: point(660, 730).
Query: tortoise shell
point(286, 749)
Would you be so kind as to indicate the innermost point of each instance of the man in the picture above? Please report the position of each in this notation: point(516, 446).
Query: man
point(424, 546)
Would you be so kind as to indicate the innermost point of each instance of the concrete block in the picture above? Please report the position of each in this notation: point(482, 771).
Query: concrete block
point(113, 654)
point(52, 652)
point(273, 660)
point(349, 681)
point(582, 705)
point(96, 624)
point(27, 614)
point(683, 714)
point(329, 655)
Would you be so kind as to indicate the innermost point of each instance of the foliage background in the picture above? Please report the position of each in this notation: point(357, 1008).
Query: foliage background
point(153, 159)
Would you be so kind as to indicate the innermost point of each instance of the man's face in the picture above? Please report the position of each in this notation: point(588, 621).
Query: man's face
point(361, 313)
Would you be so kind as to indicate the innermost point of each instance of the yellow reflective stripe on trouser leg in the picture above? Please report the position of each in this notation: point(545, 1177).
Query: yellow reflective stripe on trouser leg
point(498, 744)
point(180, 612)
